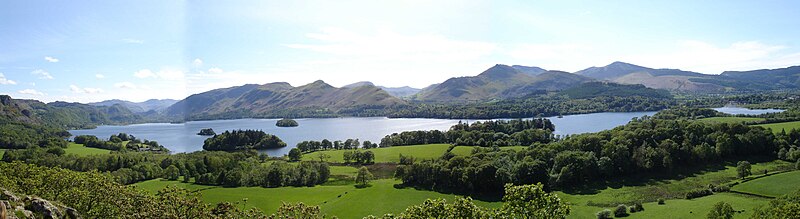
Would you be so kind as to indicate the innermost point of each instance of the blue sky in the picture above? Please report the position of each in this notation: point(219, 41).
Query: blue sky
point(89, 51)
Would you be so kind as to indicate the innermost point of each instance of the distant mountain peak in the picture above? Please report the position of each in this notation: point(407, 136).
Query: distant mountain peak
point(499, 71)
point(529, 70)
point(359, 84)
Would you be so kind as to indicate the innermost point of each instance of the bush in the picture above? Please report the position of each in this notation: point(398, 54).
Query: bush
point(621, 211)
point(638, 207)
point(604, 214)
point(661, 201)
point(721, 188)
point(698, 193)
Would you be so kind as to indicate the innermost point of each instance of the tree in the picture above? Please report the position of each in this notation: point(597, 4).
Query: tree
point(172, 173)
point(531, 201)
point(743, 169)
point(363, 177)
point(295, 154)
point(604, 214)
point(721, 210)
point(323, 156)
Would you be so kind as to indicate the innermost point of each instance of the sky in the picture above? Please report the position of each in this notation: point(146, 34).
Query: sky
point(89, 51)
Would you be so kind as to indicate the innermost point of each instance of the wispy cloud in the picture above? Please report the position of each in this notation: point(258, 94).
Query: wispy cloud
point(6, 81)
point(197, 62)
point(133, 41)
point(100, 76)
point(85, 90)
point(42, 74)
point(31, 92)
point(125, 85)
point(164, 73)
point(50, 59)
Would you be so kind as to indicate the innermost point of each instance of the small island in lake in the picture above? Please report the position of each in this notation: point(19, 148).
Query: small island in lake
point(242, 140)
point(286, 123)
point(206, 132)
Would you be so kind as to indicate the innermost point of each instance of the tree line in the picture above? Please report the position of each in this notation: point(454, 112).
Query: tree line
point(325, 144)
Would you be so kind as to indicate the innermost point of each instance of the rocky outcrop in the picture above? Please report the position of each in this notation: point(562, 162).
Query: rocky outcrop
point(33, 207)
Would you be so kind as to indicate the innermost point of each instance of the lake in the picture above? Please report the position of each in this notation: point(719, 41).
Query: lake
point(745, 111)
point(183, 137)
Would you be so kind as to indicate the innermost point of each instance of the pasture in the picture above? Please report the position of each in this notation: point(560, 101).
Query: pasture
point(777, 127)
point(80, 150)
point(772, 186)
point(387, 155)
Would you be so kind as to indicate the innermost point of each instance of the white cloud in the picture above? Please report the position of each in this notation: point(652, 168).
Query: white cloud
point(133, 41)
point(144, 73)
point(50, 59)
point(197, 62)
point(99, 76)
point(215, 71)
point(164, 73)
point(125, 85)
point(42, 74)
point(85, 90)
point(31, 92)
point(6, 81)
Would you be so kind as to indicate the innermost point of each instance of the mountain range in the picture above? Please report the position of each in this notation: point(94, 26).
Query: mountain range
point(499, 82)
point(139, 107)
point(280, 100)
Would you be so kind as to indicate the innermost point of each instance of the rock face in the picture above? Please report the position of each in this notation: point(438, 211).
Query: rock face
point(47, 209)
point(29, 207)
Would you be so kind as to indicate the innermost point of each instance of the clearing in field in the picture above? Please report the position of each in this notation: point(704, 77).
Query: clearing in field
point(777, 127)
point(772, 186)
point(730, 119)
point(80, 150)
point(387, 155)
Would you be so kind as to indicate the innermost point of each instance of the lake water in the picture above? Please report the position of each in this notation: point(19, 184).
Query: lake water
point(183, 137)
point(745, 111)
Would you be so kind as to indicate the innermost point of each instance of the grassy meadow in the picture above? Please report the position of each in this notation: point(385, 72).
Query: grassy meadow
point(343, 201)
point(80, 150)
point(772, 186)
point(387, 155)
point(777, 127)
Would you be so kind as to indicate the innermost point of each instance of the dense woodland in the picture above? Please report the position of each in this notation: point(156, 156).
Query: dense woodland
point(242, 140)
point(644, 145)
point(487, 133)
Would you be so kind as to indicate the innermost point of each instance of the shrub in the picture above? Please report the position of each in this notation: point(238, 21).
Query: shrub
point(604, 214)
point(638, 206)
point(698, 193)
point(661, 201)
point(621, 211)
point(721, 188)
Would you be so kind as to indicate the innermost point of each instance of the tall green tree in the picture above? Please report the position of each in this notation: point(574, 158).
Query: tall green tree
point(363, 177)
point(295, 154)
point(721, 210)
point(743, 169)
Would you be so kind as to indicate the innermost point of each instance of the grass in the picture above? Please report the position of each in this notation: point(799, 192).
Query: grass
point(682, 208)
point(777, 127)
point(344, 201)
point(80, 150)
point(387, 155)
point(2, 152)
point(674, 186)
point(731, 119)
point(772, 186)
point(467, 150)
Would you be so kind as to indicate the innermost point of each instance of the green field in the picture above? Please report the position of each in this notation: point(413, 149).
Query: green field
point(649, 188)
point(80, 150)
point(344, 201)
point(682, 208)
point(731, 119)
point(2, 152)
point(777, 127)
point(467, 150)
point(388, 155)
point(772, 186)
